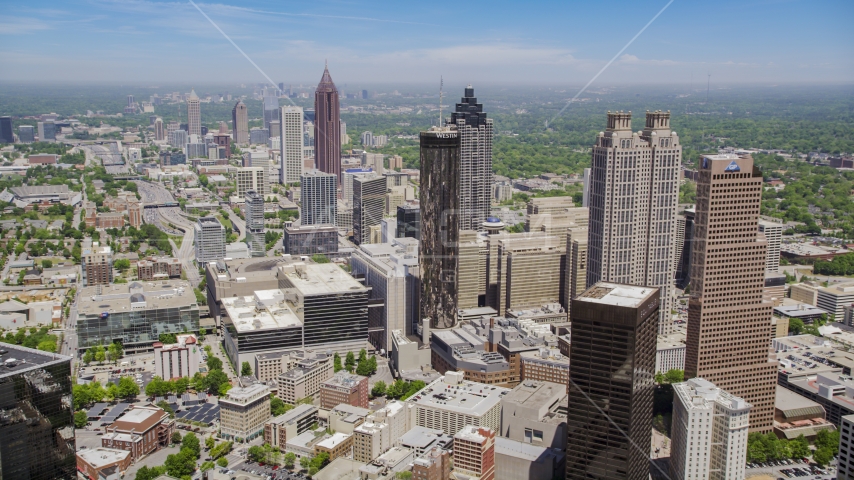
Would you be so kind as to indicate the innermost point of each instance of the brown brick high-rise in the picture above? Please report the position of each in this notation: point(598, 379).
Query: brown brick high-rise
point(729, 324)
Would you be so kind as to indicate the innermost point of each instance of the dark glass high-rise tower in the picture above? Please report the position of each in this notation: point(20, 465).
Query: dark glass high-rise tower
point(36, 418)
point(475, 169)
point(440, 204)
point(6, 135)
point(612, 381)
point(327, 127)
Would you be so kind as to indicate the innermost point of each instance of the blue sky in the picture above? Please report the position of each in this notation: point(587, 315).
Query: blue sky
point(545, 42)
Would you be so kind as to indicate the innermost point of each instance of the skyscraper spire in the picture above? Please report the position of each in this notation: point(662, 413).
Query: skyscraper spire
point(327, 126)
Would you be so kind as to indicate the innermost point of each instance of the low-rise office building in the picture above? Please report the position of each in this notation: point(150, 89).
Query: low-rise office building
point(459, 350)
point(534, 412)
point(795, 415)
point(279, 429)
point(304, 379)
point(244, 411)
point(136, 313)
point(258, 323)
point(422, 439)
point(338, 445)
point(670, 352)
point(311, 239)
point(345, 418)
point(450, 403)
point(344, 387)
point(177, 360)
point(545, 365)
point(474, 452)
point(379, 432)
point(140, 431)
point(161, 268)
point(434, 465)
point(95, 463)
point(523, 460)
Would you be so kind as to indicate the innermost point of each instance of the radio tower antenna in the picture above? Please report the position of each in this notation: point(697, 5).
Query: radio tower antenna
point(441, 94)
point(708, 83)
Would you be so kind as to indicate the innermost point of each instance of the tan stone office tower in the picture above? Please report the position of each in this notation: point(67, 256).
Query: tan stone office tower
point(240, 124)
point(633, 195)
point(611, 387)
point(729, 324)
point(194, 114)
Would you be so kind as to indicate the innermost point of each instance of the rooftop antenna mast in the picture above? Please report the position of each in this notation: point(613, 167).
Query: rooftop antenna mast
point(441, 94)
point(708, 82)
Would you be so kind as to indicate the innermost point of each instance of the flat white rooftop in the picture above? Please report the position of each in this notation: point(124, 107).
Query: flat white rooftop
point(266, 310)
point(321, 279)
point(138, 415)
point(333, 441)
point(615, 294)
point(99, 457)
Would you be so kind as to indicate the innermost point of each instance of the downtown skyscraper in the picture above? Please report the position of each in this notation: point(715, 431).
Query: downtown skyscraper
point(475, 167)
point(240, 123)
point(327, 127)
point(611, 382)
point(633, 195)
point(440, 225)
point(255, 239)
point(194, 115)
point(291, 145)
point(729, 323)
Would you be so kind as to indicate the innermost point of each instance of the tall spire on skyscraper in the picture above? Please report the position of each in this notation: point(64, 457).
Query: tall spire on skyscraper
point(327, 126)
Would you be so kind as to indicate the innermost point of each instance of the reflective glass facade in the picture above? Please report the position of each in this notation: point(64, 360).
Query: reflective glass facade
point(136, 328)
point(36, 418)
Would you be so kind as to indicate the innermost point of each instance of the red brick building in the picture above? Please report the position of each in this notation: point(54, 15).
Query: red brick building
point(158, 268)
point(346, 388)
point(474, 452)
point(140, 431)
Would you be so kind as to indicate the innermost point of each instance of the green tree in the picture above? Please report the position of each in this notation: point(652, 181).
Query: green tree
point(149, 473)
point(320, 258)
point(799, 447)
point(191, 442)
point(796, 326)
point(246, 369)
point(121, 264)
point(379, 389)
point(116, 351)
point(176, 437)
point(304, 462)
point(823, 456)
point(180, 385)
point(181, 463)
point(128, 388)
point(403, 475)
point(256, 453)
point(210, 442)
point(363, 355)
point(222, 462)
point(166, 408)
point(215, 380)
point(80, 419)
point(113, 391)
point(290, 459)
point(674, 376)
point(827, 439)
point(47, 264)
point(100, 354)
point(87, 357)
point(350, 361)
point(207, 466)
point(336, 362)
point(278, 406)
point(214, 363)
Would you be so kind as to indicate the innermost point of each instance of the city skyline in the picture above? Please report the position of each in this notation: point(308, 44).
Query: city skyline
point(347, 35)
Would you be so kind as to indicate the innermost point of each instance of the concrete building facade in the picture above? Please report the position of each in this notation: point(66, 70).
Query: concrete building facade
point(633, 198)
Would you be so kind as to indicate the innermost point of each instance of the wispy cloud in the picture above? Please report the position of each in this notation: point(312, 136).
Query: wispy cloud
point(22, 25)
point(634, 60)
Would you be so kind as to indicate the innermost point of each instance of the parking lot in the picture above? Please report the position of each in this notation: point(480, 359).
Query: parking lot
point(791, 469)
point(266, 470)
